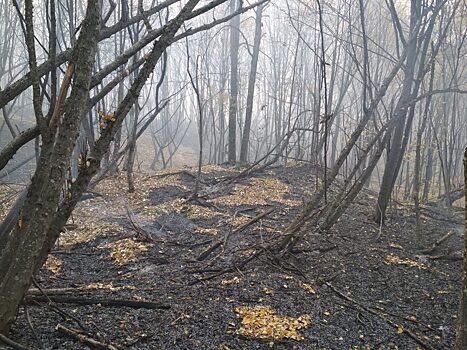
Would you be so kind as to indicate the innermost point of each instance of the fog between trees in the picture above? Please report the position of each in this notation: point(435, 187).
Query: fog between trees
point(370, 94)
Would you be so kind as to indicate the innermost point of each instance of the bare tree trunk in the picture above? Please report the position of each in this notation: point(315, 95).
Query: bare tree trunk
point(233, 100)
point(418, 156)
point(22, 252)
point(46, 210)
point(251, 87)
point(132, 149)
point(391, 169)
point(461, 339)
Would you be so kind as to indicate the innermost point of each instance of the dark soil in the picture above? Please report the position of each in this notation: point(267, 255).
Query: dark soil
point(375, 288)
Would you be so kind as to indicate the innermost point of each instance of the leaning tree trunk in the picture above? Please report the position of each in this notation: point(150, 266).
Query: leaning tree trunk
point(461, 340)
point(21, 250)
point(45, 211)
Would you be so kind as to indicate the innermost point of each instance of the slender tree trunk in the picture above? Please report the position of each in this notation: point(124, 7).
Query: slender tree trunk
point(391, 169)
point(251, 86)
point(461, 340)
point(233, 99)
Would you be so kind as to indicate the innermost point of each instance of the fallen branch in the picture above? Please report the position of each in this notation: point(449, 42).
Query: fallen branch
point(233, 268)
point(223, 242)
point(77, 335)
point(142, 234)
point(438, 242)
point(4, 339)
point(439, 216)
point(447, 257)
point(135, 304)
point(55, 291)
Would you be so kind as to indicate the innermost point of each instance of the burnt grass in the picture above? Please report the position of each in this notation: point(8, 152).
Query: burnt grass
point(362, 299)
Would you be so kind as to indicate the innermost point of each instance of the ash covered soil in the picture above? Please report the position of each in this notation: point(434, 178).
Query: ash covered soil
point(358, 286)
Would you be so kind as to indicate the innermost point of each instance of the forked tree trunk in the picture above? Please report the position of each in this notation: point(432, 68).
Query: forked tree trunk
point(45, 211)
point(461, 340)
point(22, 251)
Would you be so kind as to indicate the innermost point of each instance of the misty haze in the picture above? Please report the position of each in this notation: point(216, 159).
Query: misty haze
point(279, 174)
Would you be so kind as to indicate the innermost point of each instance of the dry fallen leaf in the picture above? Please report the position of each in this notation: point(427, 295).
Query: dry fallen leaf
point(308, 288)
point(126, 250)
point(228, 282)
point(393, 259)
point(53, 264)
point(400, 330)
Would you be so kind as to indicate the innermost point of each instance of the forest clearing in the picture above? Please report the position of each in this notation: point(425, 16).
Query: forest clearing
point(230, 174)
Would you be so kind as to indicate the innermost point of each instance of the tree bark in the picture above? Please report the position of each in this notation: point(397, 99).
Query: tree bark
point(251, 87)
point(21, 255)
point(461, 339)
point(233, 98)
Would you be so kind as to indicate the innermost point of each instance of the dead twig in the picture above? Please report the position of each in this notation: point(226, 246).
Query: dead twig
point(447, 257)
point(4, 339)
point(77, 335)
point(66, 252)
point(135, 304)
point(437, 243)
point(233, 268)
point(59, 291)
point(142, 234)
point(31, 327)
point(54, 307)
point(223, 242)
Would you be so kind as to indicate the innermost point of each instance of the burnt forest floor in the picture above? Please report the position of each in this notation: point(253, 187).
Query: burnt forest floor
point(358, 286)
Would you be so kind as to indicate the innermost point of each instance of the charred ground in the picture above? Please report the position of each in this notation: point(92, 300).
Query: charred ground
point(362, 286)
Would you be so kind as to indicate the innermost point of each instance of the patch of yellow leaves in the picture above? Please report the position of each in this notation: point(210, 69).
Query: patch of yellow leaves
point(53, 264)
point(259, 192)
point(126, 250)
point(234, 280)
point(174, 206)
point(206, 231)
point(262, 322)
point(109, 286)
point(308, 288)
point(87, 231)
point(393, 259)
point(197, 212)
point(237, 221)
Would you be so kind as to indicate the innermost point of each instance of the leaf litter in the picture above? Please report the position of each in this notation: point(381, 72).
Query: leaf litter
point(263, 322)
point(357, 269)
